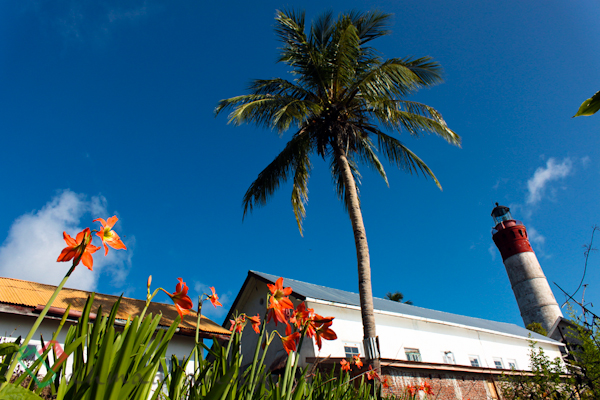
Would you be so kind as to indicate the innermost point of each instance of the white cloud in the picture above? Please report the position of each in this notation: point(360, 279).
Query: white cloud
point(35, 240)
point(493, 250)
point(535, 237)
point(544, 175)
point(585, 161)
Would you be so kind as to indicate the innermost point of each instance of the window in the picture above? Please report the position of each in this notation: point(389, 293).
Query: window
point(30, 353)
point(448, 357)
point(512, 364)
point(351, 351)
point(474, 360)
point(413, 354)
point(498, 363)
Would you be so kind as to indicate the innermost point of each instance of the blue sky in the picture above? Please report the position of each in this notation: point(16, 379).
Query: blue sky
point(107, 108)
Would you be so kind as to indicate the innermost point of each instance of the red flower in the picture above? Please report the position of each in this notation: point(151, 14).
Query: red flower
point(214, 299)
point(426, 387)
point(345, 365)
point(323, 330)
point(301, 316)
point(290, 342)
point(239, 323)
point(180, 298)
point(79, 249)
point(412, 390)
point(384, 382)
point(255, 323)
point(279, 301)
point(372, 374)
point(108, 236)
point(357, 361)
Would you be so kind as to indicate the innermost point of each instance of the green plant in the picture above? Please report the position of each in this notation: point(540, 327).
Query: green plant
point(549, 379)
point(537, 328)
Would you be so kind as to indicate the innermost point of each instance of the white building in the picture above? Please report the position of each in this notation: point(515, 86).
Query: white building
point(457, 354)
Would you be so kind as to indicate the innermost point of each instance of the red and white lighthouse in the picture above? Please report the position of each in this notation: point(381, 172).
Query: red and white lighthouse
point(534, 296)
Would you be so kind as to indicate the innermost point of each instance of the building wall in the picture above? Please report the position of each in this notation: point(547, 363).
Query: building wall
point(445, 385)
point(432, 339)
point(252, 302)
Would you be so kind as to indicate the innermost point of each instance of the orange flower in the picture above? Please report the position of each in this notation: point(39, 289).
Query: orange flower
point(301, 316)
point(345, 365)
point(255, 323)
point(372, 374)
point(426, 387)
point(79, 249)
point(290, 342)
point(323, 330)
point(108, 236)
point(180, 298)
point(412, 390)
point(357, 361)
point(279, 301)
point(385, 382)
point(214, 299)
point(239, 323)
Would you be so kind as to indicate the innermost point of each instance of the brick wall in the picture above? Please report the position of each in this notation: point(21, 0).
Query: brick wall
point(446, 385)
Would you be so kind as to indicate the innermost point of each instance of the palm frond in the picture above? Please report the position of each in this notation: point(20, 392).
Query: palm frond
point(278, 172)
point(298, 52)
point(415, 118)
point(395, 78)
point(370, 25)
point(322, 29)
point(345, 59)
point(366, 151)
point(402, 156)
point(273, 112)
point(302, 167)
point(279, 87)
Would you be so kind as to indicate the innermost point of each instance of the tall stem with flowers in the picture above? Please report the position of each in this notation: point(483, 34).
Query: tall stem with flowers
point(79, 249)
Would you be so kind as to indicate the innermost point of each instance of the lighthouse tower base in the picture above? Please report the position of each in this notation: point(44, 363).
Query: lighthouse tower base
point(532, 291)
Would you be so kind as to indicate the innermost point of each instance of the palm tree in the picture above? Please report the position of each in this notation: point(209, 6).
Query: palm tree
point(398, 297)
point(342, 96)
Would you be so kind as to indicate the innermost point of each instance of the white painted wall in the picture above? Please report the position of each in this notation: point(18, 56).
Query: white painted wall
point(432, 338)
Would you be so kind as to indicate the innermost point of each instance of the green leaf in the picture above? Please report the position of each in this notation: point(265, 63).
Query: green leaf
point(12, 392)
point(8, 348)
point(589, 107)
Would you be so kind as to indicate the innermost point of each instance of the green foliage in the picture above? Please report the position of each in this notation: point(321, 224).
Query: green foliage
point(548, 379)
point(398, 297)
point(106, 362)
point(589, 107)
point(578, 378)
point(537, 328)
point(585, 365)
point(11, 392)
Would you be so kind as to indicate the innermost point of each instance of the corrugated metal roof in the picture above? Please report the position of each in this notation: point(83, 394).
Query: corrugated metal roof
point(309, 290)
point(31, 294)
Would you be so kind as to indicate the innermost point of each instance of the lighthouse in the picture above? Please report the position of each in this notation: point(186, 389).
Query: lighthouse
point(534, 296)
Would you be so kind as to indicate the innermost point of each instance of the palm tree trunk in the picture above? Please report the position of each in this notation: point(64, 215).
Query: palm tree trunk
point(362, 253)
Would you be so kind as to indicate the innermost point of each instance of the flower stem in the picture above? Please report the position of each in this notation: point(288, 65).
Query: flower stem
point(35, 326)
